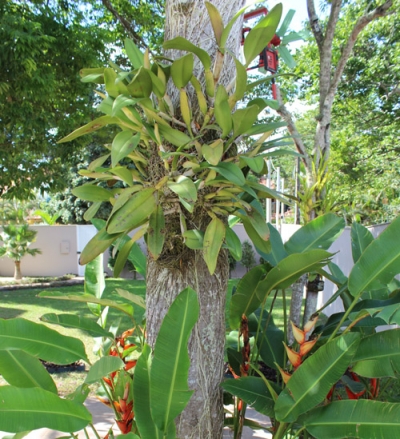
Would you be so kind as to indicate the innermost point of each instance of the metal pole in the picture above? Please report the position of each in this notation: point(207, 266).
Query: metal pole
point(268, 203)
point(278, 188)
point(283, 204)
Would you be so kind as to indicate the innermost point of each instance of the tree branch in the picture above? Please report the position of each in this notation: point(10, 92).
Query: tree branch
point(125, 24)
point(314, 24)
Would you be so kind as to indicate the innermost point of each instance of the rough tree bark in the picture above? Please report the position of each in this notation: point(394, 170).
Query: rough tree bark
point(178, 267)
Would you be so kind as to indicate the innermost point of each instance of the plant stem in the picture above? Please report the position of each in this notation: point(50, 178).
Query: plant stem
point(281, 431)
point(95, 431)
point(343, 319)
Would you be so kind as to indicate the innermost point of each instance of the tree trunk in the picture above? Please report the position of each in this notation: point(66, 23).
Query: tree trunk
point(296, 305)
point(17, 270)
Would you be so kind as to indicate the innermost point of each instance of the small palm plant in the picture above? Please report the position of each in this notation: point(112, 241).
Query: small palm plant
point(16, 241)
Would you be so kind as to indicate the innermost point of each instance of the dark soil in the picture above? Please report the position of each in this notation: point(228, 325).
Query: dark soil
point(78, 366)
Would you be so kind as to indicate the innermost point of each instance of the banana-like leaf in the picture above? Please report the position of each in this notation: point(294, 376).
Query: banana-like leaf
point(216, 21)
point(231, 172)
point(21, 369)
point(379, 263)
point(222, 111)
point(180, 43)
point(270, 342)
point(243, 119)
point(194, 239)
point(213, 153)
point(173, 136)
point(123, 144)
point(89, 128)
point(262, 34)
point(94, 277)
point(126, 308)
point(213, 239)
point(260, 245)
point(33, 408)
point(78, 322)
point(97, 245)
point(253, 391)
point(141, 85)
point(288, 270)
point(103, 367)
point(40, 341)
point(134, 54)
point(379, 355)
point(184, 188)
point(313, 379)
point(134, 298)
point(278, 251)
point(358, 419)
point(182, 70)
point(245, 299)
point(169, 391)
point(156, 232)
point(129, 436)
point(233, 243)
point(137, 209)
point(361, 238)
point(92, 193)
point(318, 233)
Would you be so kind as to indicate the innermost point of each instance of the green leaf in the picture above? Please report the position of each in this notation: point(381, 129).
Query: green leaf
point(109, 79)
point(260, 244)
point(40, 341)
point(214, 152)
point(137, 209)
point(93, 193)
point(194, 239)
point(379, 263)
point(262, 34)
point(173, 136)
point(156, 232)
point(134, 54)
point(286, 23)
point(318, 233)
point(122, 256)
point(264, 127)
point(141, 85)
point(245, 299)
point(361, 238)
point(259, 224)
point(121, 102)
point(94, 277)
point(313, 379)
point(256, 164)
point(270, 342)
point(358, 419)
point(222, 111)
point(97, 245)
point(216, 21)
point(138, 259)
point(74, 321)
point(253, 391)
point(184, 188)
point(180, 43)
point(378, 355)
point(241, 81)
point(278, 251)
point(33, 408)
point(123, 144)
point(182, 70)
point(233, 243)
point(103, 367)
point(213, 239)
point(231, 172)
point(169, 389)
point(134, 298)
point(286, 57)
point(89, 128)
point(243, 119)
point(21, 369)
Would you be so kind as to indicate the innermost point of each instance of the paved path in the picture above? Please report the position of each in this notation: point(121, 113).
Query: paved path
point(103, 419)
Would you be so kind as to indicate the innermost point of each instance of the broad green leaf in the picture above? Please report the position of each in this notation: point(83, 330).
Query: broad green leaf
point(89, 128)
point(121, 102)
point(156, 232)
point(241, 81)
point(94, 277)
point(129, 436)
point(90, 192)
point(278, 251)
point(124, 174)
point(92, 75)
point(169, 391)
point(194, 239)
point(243, 119)
point(213, 239)
point(288, 270)
point(40, 341)
point(222, 111)
point(185, 108)
point(184, 188)
point(233, 243)
point(214, 152)
point(216, 21)
point(262, 34)
point(270, 342)
point(141, 85)
point(260, 245)
point(318, 233)
point(313, 379)
point(361, 238)
point(180, 43)
point(159, 87)
point(134, 298)
point(85, 298)
point(109, 80)
point(137, 209)
point(264, 128)
point(263, 103)
point(103, 367)
point(97, 245)
point(379, 263)
point(378, 355)
point(122, 256)
point(173, 136)
point(91, 212)
point(253, 391)
point(138, 259)
point(358, 419)
point(33, 408)
point(256, 164)
point(200, 96)
point(134, 54)
point(286, 57)
point(21, 369)
point(123, 144)
point(286, 23)
point(259, 224)
point(74, 321)
point(245, 300)
point(182, 70)
point(231, 172)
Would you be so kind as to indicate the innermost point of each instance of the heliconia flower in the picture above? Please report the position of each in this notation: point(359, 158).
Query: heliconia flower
point(294, 357)
point(108, 382)
point(104, 401)
point(306, 347)
point(130, 364)
point(117, 407)
point(127, 333)
point(298, 334)
point(374, 387)
point(124, 427)
point(285, 375)
point(310, 324)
